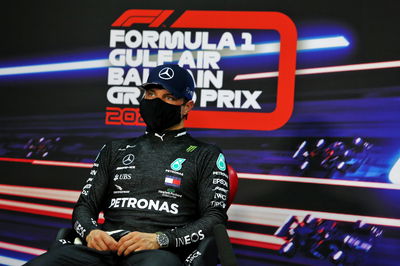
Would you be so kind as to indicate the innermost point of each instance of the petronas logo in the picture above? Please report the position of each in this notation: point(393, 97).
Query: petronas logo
point(177, 164)
point(221, 162)
point(191, 148)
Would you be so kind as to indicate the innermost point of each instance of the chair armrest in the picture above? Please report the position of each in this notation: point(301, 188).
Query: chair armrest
point(225, 250)
point(64, 233)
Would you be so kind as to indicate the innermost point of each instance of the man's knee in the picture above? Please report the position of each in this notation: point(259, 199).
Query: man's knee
point(153, 257)
point(70, 255)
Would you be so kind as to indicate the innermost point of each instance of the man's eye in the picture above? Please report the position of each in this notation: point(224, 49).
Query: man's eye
point(171, 98)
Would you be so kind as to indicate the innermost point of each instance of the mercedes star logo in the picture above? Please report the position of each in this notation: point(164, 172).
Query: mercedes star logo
point(166, 73)
point(128, 159)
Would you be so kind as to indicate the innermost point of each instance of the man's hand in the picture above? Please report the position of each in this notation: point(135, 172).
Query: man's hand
point(136, 241)
point(100, 240)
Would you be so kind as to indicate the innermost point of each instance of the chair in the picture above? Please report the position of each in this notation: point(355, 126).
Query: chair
point(210, 249)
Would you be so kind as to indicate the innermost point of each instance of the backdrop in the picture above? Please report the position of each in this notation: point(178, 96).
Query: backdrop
point(302, 96)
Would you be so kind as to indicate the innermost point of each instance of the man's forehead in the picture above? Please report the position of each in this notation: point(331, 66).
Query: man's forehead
point(158, 89)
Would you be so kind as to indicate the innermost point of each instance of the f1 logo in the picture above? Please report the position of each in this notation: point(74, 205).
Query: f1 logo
point(252, 20)
point(153, 17)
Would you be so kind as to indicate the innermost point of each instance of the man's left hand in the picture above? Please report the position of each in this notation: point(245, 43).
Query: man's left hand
point(136, 241)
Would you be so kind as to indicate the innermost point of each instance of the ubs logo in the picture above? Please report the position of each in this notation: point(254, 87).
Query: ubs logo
point(122, 177)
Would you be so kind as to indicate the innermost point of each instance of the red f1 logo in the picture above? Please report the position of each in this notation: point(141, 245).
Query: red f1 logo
point(257, 20)
point(153, 17)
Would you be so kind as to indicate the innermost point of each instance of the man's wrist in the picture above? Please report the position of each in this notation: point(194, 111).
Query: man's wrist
point(162, 239)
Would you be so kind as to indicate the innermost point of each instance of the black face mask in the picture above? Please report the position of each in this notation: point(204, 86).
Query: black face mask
point(159, 115)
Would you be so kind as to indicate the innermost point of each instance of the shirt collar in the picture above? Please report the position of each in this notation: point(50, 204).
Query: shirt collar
point(169, 134)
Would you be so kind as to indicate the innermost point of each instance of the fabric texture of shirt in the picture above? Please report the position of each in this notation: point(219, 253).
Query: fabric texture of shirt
point(171, 183)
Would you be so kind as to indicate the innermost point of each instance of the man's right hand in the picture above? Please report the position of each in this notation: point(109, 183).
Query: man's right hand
point(100, 240)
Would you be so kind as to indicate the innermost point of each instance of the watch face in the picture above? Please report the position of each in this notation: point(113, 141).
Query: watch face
point(162, 240)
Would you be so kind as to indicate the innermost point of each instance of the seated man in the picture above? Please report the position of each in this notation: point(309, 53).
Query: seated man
point(164, 189)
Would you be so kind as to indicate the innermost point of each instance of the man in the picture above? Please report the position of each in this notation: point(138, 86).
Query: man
point(161, 193)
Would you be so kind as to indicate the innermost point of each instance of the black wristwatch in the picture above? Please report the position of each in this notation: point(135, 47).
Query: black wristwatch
point(162, 239)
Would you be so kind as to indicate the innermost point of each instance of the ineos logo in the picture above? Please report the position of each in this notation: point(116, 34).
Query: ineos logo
point(128, 159)
point(166, 73)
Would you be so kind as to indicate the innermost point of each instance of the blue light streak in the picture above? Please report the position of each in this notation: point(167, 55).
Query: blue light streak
point(310, 44)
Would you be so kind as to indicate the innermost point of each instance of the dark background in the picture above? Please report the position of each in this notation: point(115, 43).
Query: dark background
point(336, 106)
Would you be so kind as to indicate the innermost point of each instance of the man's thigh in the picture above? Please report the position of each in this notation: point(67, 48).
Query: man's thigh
point(73, 255)
point(152, 257)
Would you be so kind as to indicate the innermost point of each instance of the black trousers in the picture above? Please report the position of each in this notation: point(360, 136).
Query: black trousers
point(85, 256)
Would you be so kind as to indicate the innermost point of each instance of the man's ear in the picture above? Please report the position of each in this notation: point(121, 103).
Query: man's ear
point(187, 107)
